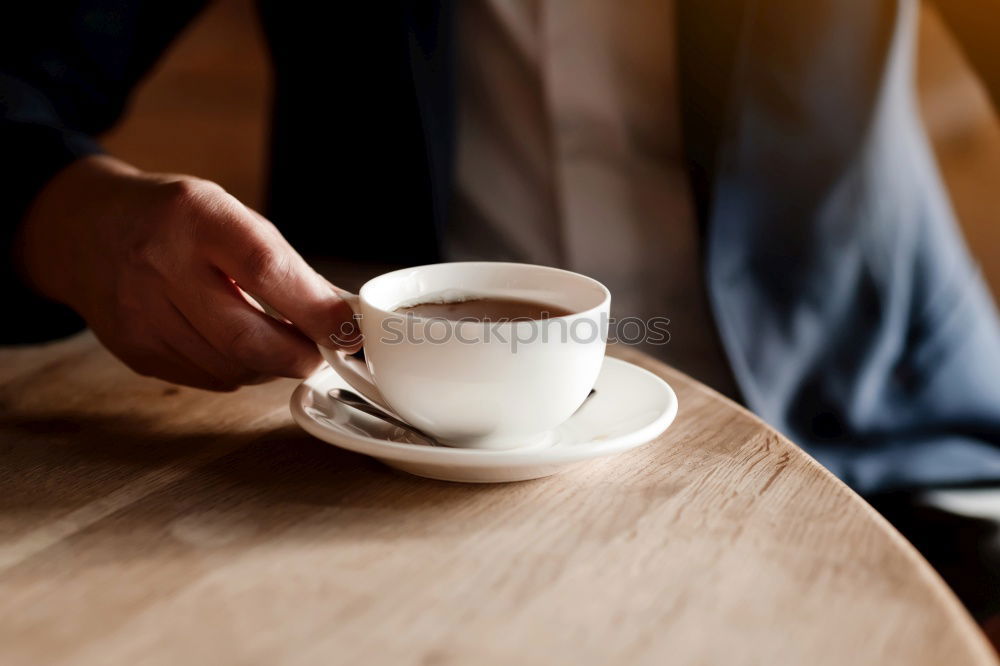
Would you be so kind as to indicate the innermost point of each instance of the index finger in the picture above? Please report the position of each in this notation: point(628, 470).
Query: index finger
point(252, 251)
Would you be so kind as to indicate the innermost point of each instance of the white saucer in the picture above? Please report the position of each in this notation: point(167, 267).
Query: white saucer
point(631, 407)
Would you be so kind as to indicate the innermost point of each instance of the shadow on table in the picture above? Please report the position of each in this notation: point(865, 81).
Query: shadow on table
point(139, 493)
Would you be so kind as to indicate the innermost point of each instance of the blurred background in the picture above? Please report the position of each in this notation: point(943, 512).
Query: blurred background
point(204, 112)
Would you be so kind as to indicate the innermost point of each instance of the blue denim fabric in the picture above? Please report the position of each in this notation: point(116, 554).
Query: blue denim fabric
point(854, 318)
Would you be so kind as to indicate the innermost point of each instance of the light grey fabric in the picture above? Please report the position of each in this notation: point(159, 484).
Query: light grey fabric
point(570, 154)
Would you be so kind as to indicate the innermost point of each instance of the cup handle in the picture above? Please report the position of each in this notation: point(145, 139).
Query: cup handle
point(350, 367)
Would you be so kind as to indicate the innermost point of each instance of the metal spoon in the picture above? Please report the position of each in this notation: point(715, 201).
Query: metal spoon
point(352, 399)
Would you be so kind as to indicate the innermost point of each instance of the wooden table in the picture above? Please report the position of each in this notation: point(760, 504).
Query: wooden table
point(145, 523)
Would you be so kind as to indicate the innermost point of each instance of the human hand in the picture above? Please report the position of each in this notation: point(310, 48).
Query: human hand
point(156, 263)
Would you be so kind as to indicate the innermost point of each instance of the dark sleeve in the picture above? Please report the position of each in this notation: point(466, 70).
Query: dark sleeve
point(66, 70)
point(975, 24)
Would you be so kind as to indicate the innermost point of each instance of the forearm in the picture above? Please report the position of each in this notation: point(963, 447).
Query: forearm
point(51, 232)
point(33, 154)
point(66, 70)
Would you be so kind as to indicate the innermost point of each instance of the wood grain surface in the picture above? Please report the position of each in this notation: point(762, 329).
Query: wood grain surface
point(143, 523)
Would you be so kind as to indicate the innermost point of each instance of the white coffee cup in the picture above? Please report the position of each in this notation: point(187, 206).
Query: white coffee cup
point(472, 383)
